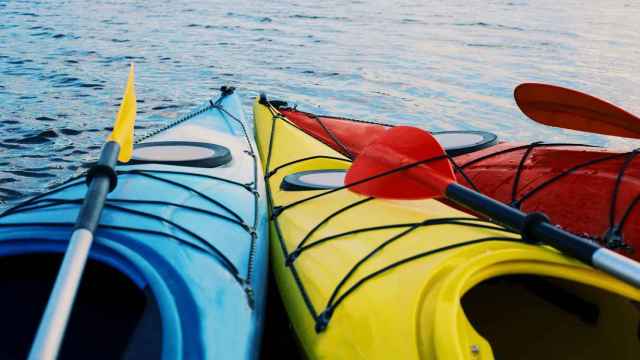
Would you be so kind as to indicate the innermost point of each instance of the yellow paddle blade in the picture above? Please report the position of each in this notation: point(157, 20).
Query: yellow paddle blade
point(123, 128)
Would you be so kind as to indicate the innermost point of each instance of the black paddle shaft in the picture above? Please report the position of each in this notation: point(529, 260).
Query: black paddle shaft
point(101, 179)
point(534, 227)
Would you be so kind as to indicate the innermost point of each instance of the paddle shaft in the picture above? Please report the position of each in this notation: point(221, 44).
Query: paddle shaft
point(54, 321)
point(542, 231)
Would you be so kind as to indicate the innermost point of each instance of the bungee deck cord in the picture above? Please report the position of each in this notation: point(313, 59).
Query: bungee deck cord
point(46, 200)
point(612, 237)
point(339, 294)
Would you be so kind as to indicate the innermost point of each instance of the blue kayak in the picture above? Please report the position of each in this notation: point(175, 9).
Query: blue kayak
point(178, 267)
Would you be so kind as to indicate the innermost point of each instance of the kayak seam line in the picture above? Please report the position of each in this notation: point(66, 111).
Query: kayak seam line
point(225, 260)
point(188, 173)
point(276, 225)
point(212, 248)
point(34, 199)
point(253, 188)
point(18, 207)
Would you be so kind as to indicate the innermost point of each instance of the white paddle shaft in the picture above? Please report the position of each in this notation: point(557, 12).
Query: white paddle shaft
point(54, 321)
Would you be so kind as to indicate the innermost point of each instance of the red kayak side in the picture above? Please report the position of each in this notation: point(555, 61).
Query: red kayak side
point(589, 191)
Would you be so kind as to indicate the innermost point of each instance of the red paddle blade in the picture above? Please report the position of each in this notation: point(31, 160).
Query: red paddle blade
point(396, 148)
point(569, 109)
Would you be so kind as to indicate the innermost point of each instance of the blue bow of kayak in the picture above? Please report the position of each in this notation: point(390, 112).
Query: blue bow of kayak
point(178, 269)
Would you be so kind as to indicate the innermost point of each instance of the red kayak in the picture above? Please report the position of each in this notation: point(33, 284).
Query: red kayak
point(590, 191)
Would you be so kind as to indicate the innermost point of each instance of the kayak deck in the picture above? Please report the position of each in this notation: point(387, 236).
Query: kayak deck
point(587, 190)
point(189, 240)
point(372, 278)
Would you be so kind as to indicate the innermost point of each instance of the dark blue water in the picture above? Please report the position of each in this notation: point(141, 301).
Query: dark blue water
point(441, 65)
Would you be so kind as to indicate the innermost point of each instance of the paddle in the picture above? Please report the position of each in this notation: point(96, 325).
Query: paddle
point(101, 179)
point(570, 109)
point(408, 163)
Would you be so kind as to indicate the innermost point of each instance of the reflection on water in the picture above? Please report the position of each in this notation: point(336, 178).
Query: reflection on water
point(446, 65)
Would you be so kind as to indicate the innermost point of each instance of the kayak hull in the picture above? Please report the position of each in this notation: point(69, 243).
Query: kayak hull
point(375, 279)
point(192, 239)
point(589, 191)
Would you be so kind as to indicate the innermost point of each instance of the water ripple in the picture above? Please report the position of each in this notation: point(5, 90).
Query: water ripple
point(441, 65)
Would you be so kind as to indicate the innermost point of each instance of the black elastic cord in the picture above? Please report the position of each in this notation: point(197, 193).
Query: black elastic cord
point(459, 170)
point(320, 241)
point(627, 213)
point(361, 181)
point(276, 210)
point(294, 272)
point(44, 200)
point(518, 148)
point(253, 188)
point(567, 172)
point(466, 221)
point(518, 202)
point(292, 256)
point(342, 118)
point(108, 205)
point(344, 148)
point(616, 186)
point(106, 226)
point(516, 181)
point(613, 238)
point(322, 320)
point(337, 296)
point(426, 223)
point(201, 194)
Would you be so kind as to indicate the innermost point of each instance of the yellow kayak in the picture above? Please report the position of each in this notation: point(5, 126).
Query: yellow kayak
point(365, 278)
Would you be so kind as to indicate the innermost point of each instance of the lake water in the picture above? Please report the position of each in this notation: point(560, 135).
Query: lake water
point(438, 64)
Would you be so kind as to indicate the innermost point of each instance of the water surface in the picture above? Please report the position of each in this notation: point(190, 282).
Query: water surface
point(438, 64)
